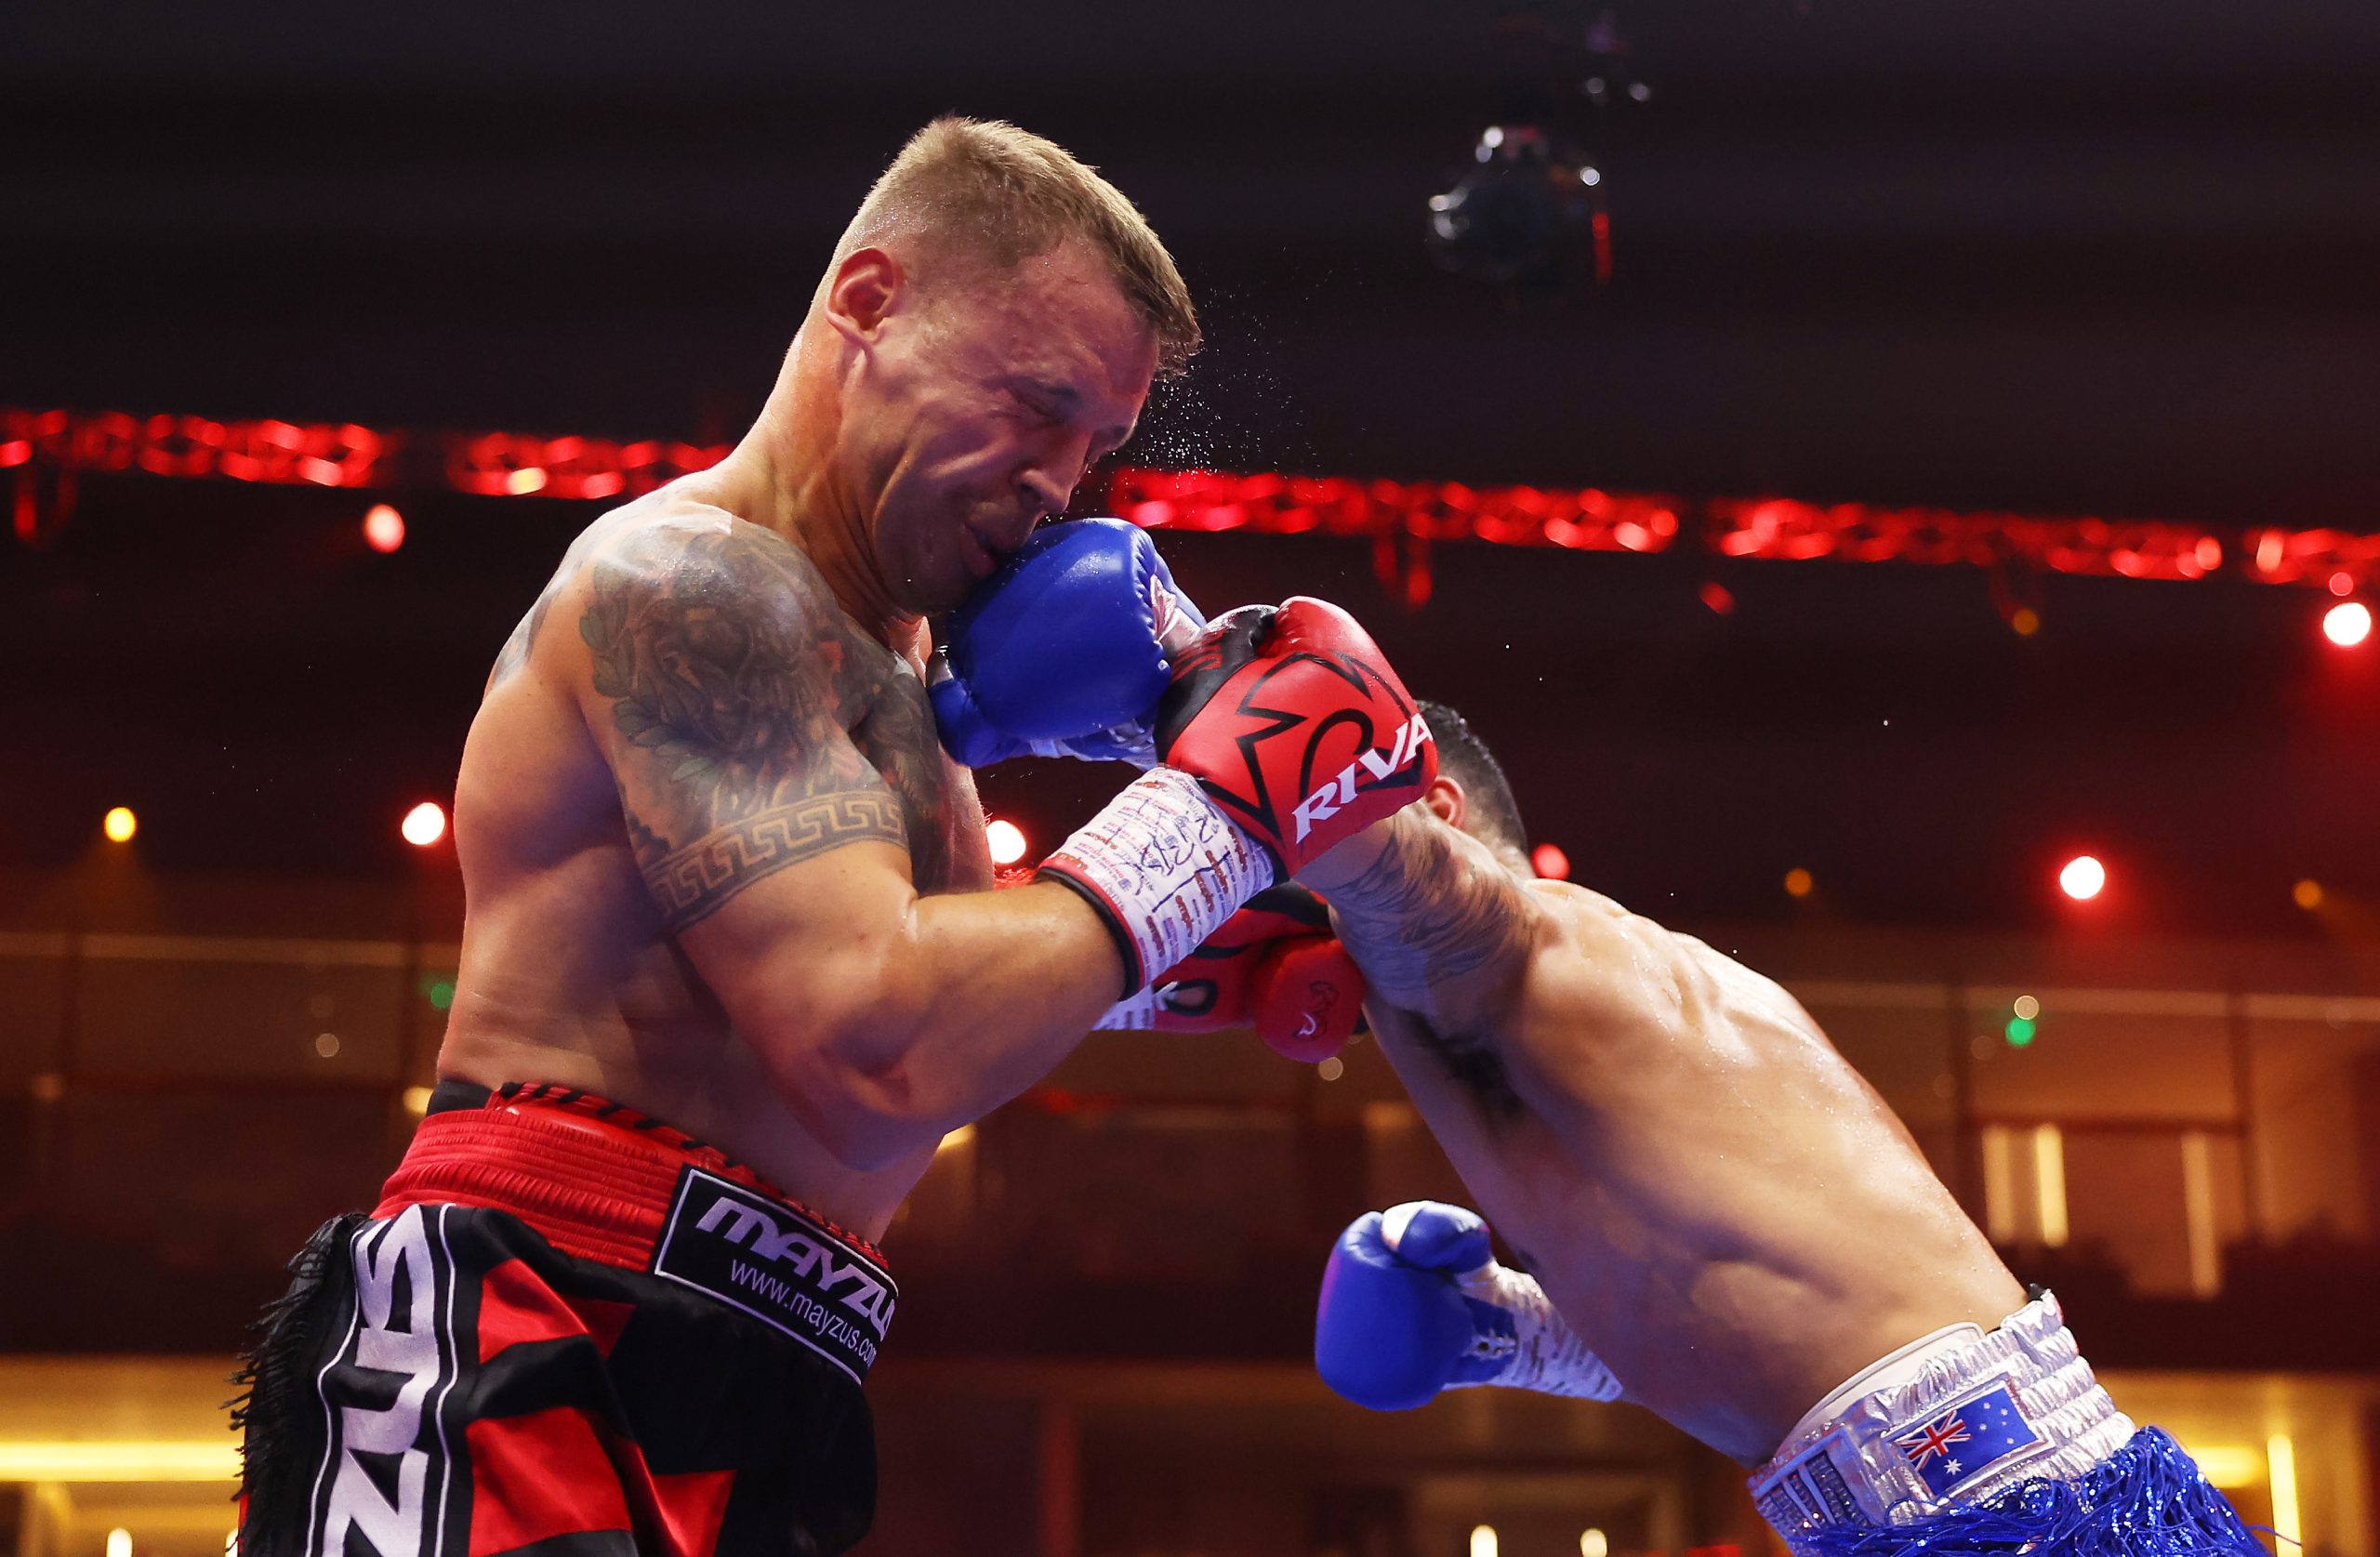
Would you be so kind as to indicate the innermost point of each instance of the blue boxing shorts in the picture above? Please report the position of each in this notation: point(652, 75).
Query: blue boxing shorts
point(1968, 1442)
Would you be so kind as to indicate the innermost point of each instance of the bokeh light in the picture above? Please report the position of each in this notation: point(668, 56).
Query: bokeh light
point(1799, 882)
point(1549, 862)
point(425, 825)
point(1006, 840)
point(120, 824)
point(2083, 878)
point(2348, 623)
point(384, 528)
point(2307, 894)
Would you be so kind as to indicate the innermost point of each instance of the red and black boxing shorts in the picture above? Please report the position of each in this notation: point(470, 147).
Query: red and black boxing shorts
point(565, 1330)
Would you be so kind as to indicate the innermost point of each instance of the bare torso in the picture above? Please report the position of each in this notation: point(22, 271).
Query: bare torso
point(568, 974)
point(1715, 1201)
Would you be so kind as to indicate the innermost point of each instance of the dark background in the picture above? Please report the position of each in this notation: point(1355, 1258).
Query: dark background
point(2113, 258)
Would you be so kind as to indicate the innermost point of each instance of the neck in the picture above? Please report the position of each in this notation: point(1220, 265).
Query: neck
point(1509, 856)
point(783, 477)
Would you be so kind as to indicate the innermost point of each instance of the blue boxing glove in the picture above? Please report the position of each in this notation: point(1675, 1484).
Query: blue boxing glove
point(1414, 1302)
point(1064, 651)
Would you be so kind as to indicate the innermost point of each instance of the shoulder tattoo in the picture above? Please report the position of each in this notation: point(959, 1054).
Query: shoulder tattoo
point(1423, 914)
point(515, 652)
point(733, 683)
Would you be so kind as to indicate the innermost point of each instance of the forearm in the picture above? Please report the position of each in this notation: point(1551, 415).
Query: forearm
point(960, 1003)
point(1439, 927)
point(1009, 983)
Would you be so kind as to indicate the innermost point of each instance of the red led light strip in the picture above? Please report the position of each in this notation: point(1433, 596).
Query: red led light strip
point(343, 455)
point(1210, 500)
point(1767, 528)
point(1401, 518)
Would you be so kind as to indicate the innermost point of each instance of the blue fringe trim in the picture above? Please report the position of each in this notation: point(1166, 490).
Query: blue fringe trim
point(2147, 1499)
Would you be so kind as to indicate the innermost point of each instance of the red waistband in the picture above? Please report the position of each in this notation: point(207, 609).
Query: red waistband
point(594, 1179)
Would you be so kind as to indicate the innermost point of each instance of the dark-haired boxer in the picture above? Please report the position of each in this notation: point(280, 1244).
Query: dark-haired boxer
point(1728, 1225)
point(719, 873)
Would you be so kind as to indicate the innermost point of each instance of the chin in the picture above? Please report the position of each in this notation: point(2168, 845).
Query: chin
point(925, 586)
point(921, 598)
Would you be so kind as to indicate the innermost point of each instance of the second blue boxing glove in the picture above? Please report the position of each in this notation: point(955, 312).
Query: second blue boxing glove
point(1064, 651)
point(1414, 1302)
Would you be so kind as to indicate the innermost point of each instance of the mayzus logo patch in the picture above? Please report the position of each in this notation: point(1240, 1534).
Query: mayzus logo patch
point(777, 1265)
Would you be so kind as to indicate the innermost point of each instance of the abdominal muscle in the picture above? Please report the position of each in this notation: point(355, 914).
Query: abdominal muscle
point(1714, 1201)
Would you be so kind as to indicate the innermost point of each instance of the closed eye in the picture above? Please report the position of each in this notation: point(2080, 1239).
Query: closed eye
point(1058, 404)
point(1043, 400)
point(1112, 439)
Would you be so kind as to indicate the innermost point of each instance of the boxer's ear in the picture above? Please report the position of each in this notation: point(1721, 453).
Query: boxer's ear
point(1447, 802)
point(864, 289)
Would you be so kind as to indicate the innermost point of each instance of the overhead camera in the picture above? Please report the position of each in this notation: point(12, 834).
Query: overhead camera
point(1516, 216)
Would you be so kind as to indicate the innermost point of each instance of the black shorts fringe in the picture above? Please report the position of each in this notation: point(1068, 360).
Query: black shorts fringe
point(442, 1383)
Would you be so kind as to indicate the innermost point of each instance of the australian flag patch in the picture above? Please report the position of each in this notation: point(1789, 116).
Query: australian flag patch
point(1954, 1447)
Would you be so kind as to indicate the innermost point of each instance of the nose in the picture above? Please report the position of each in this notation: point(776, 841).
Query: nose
point(1047, 481)
point(1042, 494)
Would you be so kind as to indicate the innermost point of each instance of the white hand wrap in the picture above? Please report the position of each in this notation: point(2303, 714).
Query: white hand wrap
point(1164, 868)
point(1134, 1013)
point(1546, 1353)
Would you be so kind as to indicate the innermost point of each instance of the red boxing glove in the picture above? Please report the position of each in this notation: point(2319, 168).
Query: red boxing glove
point(1274, 967)
point(1294, 725)
point(1282, 733)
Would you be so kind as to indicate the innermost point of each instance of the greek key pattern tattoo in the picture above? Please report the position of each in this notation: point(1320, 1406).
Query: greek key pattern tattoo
point(696, 880)
point(756, 727)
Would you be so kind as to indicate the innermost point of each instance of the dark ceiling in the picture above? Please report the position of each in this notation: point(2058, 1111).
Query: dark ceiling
point(2118, 258)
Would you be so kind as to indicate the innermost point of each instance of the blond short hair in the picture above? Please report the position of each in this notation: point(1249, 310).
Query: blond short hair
point(987, 191)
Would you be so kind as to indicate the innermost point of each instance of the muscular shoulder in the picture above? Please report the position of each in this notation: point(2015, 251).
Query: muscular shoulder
point(693, 605)
point(1587, 920)
point(1623, 964)
point(714, 572)
point(684, 560)
point(1593, 953)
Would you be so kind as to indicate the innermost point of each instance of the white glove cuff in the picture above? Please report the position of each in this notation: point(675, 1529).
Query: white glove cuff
point(1547, 1355)
point(1165, 868)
